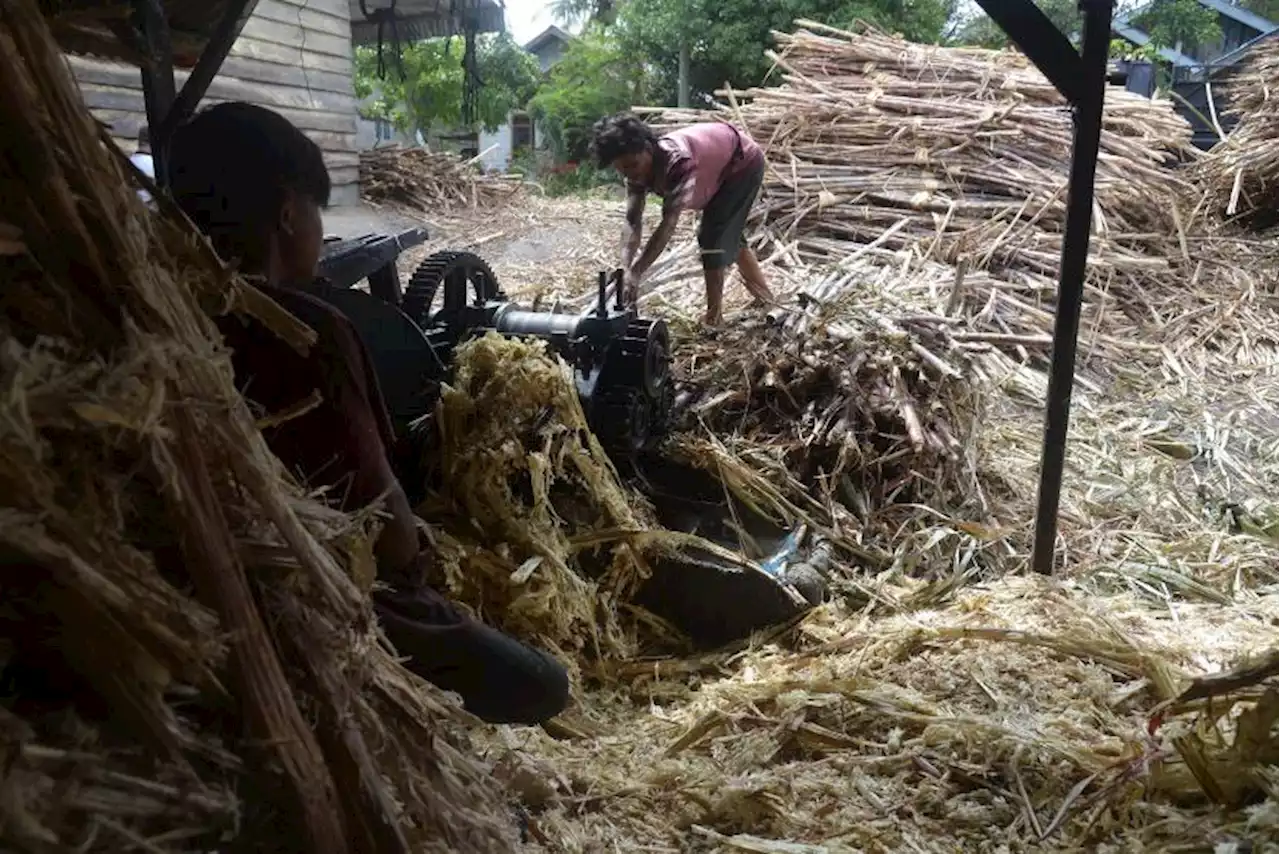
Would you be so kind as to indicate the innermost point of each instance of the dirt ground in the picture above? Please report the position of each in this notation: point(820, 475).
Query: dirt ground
point(541, 247)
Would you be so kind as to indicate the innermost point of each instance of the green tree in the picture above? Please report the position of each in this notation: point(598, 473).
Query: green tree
point(1180, 24)
point(580, 11)
point(597, 76)
point(980, 31)
point(432, 89)
point(727, 39)
point(1268, 9)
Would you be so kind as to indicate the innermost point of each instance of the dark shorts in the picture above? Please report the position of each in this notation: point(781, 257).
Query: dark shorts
point(725, 218)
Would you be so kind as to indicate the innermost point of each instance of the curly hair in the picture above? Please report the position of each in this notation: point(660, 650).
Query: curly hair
point(614, 136)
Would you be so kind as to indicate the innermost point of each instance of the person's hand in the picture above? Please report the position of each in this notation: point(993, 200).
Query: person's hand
point(630, 288)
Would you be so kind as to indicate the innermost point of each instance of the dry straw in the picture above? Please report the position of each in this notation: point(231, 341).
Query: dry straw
point(429, 181)
point(943, 703)
point(211, 675)
point(523, 477)
point(1240, 175)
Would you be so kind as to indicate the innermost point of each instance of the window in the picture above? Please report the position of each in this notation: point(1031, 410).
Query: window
point(382, 130)
point(521, 132)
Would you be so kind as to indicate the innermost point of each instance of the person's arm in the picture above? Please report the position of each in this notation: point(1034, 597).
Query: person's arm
point(680, 179)
point(340, 444)
point(634, 228)
point(363, 437)
point(657, 242)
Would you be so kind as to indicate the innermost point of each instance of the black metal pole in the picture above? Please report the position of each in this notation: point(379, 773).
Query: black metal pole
point(224, 35)
point(1095, 46)
point(1042, 42)
point(158, 87)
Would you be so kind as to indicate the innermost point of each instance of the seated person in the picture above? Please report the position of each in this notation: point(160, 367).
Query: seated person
point(255, 185)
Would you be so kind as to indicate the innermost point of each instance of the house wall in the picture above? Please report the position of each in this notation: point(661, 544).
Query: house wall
point(374, 132)
point(500, 157)
point(500, 141)
point(550, 53)
point(294, 56)
point(371, 133)
point(1234, 34)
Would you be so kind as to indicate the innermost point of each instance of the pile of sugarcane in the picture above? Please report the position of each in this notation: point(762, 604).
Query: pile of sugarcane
point(971, 147)
point(961, 156)
point(1240, 175)
point(857, 393)
point(429, 181)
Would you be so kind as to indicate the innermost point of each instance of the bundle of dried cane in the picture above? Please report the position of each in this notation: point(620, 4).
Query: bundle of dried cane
point(192, 661)
point(1240, 176)
point(429, 180)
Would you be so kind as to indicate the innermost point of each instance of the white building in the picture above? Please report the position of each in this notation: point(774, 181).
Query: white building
point(515, 134)
point(519, 131)
point(371, 133)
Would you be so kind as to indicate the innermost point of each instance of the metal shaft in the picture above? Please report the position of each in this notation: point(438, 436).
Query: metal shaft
point(1075, 251)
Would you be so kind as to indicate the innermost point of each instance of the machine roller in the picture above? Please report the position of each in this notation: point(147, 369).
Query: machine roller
point(620, 361)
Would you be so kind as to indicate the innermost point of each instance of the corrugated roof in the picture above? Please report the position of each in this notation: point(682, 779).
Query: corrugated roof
point(106, 29)
point(1244, 16)
point(425, 19)
point(551, 33)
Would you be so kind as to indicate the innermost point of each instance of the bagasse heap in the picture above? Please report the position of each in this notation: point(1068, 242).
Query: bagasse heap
point(149, 533)
point(522, 475)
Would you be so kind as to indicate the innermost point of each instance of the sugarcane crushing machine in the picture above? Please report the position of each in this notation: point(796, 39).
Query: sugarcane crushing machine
point(620, 360)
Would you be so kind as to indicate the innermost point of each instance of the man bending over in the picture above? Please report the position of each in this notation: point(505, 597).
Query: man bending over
point(255, 185)
point(709, 167)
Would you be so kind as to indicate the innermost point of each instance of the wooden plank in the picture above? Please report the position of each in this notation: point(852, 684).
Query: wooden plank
point(291, 97)
point(96, 76)
point(100, 98)
point(256, 71)
point(311, 17)
point(266, 51)
point(343, 167)
point(292, 35)
point(334, 141)
point(341, 159)
point(106, 73)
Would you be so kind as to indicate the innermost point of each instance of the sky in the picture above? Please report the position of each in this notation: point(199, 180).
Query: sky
point(527, 18)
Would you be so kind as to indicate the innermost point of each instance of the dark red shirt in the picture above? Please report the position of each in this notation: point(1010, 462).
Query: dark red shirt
point(343, 443)
point(693, 163)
